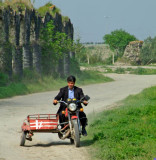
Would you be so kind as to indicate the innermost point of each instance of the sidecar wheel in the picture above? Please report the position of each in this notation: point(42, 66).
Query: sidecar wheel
point(60, 135)
point(23, 137)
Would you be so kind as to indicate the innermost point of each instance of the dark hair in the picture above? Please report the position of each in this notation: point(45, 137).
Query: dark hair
point(71, 79)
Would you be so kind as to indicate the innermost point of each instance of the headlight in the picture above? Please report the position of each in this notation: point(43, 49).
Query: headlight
point(72, 107)
point(68, 100)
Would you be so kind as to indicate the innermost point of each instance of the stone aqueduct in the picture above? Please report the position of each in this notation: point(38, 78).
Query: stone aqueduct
point(22, 31)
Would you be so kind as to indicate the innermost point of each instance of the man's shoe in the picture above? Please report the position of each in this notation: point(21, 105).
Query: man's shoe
point(29, 138)
point(84, 132)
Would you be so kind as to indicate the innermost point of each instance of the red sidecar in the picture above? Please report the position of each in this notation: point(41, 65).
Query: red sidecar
point(39, 123)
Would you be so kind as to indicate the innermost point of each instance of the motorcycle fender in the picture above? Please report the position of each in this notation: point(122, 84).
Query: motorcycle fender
point(66, 113)
point(74, 117)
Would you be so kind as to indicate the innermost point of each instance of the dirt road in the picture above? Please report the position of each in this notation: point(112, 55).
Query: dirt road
point(48, 146)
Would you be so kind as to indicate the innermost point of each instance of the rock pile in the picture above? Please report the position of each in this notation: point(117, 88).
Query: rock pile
point(132, 52)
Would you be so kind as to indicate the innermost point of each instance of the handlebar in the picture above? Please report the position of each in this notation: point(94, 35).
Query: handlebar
point(86, 97)
point(78, 101)
point(63, 102)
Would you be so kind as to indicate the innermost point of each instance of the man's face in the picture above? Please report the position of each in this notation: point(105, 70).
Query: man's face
point(71, 85)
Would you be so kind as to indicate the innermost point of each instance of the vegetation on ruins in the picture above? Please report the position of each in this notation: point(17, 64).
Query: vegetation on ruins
point(54, 45)
point(49, 7)
point(16, 4)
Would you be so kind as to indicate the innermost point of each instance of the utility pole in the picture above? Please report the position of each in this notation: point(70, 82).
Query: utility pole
point(113, 58)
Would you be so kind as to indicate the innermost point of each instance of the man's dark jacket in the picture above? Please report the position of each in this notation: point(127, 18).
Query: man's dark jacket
point(63, 95)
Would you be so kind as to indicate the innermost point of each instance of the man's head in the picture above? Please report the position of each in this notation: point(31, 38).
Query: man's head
point(71, 81)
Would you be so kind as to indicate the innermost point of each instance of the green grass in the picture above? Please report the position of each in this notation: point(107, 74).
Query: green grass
point(92, 77)
point(90, 65)
point(32, 83)
point(127, 132)
point(15, 4)
point(138, 71)
point(13, 89)
point(46, 8)
point(143, 71)
point(119, 70)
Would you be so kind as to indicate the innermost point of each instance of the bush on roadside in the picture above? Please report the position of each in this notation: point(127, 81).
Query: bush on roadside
point(74, 67)
point(4, 79)
point(148, 52)
point(119, 70)
point(139, 71)
point(143, 71)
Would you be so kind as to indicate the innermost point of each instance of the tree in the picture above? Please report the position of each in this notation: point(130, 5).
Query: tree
point(54, 45)
point(118, 40)
point(148, 52)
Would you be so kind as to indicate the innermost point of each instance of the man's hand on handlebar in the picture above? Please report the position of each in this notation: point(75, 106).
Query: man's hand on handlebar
point(55, 102)
point(85, 103)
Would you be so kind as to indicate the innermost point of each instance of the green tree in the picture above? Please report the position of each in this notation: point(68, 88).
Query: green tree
point(118, 40)
point(148, 52)
point(54, 45)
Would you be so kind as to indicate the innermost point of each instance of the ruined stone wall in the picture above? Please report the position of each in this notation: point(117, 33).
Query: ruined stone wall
point(132, 51)
point(20, 40)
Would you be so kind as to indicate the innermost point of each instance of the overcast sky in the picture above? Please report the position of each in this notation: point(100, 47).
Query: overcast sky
point(93, 19)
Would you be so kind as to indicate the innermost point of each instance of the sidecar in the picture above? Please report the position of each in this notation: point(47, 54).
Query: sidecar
point(43, 123)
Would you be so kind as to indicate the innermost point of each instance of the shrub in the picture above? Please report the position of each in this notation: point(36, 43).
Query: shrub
point(148, 52)
point(74, 67)
point(4, 79)
point(120, 70)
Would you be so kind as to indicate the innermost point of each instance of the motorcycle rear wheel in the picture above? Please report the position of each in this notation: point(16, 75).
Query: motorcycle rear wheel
point(76, 133)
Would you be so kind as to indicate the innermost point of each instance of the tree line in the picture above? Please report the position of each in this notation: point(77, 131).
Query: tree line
point(119, 39)
point(117, 42)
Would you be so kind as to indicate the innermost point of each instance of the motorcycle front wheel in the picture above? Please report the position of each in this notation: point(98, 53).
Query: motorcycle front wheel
point(76, 133)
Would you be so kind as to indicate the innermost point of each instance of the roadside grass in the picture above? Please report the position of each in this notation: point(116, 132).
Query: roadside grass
point(127, 132)
point(143, 71)
point(129, 70)
point(119, 70)
point(91, 65)
point(32, 83)
point(92, 77)
point(138, 71)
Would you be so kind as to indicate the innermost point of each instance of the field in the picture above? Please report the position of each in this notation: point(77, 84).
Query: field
point(126, 132)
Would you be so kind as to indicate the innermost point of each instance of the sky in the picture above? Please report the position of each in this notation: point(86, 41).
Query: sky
point(93, 19)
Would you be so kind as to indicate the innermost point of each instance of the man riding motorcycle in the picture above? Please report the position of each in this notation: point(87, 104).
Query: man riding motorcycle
point(70, 92)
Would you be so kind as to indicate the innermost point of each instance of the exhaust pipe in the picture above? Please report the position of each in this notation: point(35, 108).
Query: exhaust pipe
point(67, 134)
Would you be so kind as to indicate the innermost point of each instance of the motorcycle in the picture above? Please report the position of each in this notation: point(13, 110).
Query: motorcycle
point(49, 123)
point(72, 126)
